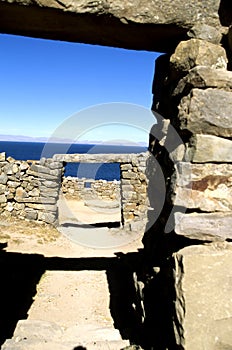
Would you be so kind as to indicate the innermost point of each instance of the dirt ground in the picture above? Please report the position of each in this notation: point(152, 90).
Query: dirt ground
point(68, 298)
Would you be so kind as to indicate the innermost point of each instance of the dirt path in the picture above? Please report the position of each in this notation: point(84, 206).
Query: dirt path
point(71, 299)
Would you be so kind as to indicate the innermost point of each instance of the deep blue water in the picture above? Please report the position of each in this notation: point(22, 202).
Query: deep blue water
point(34, 151)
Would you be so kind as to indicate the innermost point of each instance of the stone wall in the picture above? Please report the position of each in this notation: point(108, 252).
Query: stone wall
point(81, 189)
point(30, 190)
point(192, 144)
point(134, 182)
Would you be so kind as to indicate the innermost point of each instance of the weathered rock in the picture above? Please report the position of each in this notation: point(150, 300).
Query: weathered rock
point(31, 214)
point(2, 156)
point(196, 52)
point(155, 26)
point(205, 226)
point(45, 170)
point(3, 198)
point(207, 187)
point(3, 179)
point(21, 193)
point(204, 77)
point(205, 32)
point(43, 207)
point(208, 148)
point(13, 184)
point(2, 189)
point(43, 200)
point(55, 165)
point(207, 111)
point(49, 218)
point(203, 305)
point(35, 192)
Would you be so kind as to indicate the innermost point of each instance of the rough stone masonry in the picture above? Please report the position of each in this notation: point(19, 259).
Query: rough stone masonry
point(186, 278)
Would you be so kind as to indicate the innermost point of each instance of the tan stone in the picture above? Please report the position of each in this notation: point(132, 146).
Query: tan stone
point(207, 187)
point(206, 111)
point(203, 305)
point(196, 52)
point(209, 148)
point(204, 226)
point(204, 77)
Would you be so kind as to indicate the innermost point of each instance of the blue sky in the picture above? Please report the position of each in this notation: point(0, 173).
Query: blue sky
point(44, 82)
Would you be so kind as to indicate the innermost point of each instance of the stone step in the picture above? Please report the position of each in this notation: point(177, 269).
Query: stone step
point(43, 335)
point(28, 344)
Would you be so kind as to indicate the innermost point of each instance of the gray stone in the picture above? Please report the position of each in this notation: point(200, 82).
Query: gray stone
point(34, 193)
point(43, 200)
point(13, 184)
point(151, 25)
point(203, 305)
point(207, 187)
point(196, 52)
point(44, 207)
point(204, 226)
point(208, 148)
point(45, 170)
point(51, 184)
point(55, 165)
point(3, 179)
point(42, 176)
point(49, 218)
point(204, 77)
point(206, 111)
point(205, 32)
point(31, 214)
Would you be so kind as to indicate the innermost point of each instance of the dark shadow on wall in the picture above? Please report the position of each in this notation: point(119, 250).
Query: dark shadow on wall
point(225, 12)
point(19, 276)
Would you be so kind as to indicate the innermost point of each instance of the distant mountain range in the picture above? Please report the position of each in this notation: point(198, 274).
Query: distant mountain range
point(21, 138)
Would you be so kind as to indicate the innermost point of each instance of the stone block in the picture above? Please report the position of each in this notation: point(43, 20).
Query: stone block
point(31, 214)
point(204, 77)
point(2, 156)
point(3, 179)
point(205, 32)
point(45, 170)
point(196, 52)
point(209, 148)
point(203, 302)
point(207, 187)
point(2, 189)
point(3, 198)
point(49, 218)
point(204, 226)
point(206, 111)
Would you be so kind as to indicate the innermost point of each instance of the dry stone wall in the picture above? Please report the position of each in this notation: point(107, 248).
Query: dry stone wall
point(134, 183)
point(192, 144)
point(81, 189)
point(30, 190)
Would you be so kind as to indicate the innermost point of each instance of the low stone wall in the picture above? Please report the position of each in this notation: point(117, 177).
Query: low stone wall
point(30, 189)
point(134, 183)
point(81, 189)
